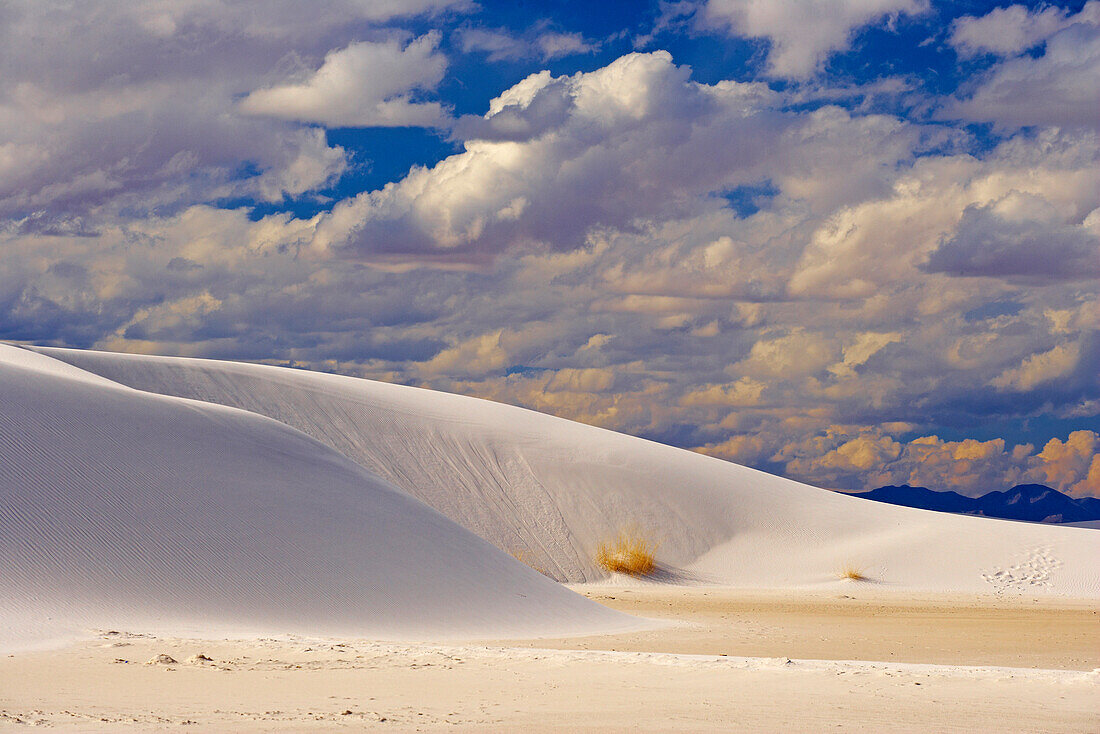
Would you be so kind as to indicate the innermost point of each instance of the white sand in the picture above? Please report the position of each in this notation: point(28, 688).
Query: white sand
point(300, 684)
point(285, 550)
point(124, 508)
point(550, 490)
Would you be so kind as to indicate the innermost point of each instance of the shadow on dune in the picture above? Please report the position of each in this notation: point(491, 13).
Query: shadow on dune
point(666, 574)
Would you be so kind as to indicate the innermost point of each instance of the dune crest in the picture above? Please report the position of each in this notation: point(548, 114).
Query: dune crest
point(122, 507)
point(551, 490)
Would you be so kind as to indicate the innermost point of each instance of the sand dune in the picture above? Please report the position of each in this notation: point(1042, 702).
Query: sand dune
point(274, 530)
point(123, 508)
point(550, 489)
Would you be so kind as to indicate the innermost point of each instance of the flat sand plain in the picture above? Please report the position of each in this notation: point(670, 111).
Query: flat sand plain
point(855, 660)
point(860, 622)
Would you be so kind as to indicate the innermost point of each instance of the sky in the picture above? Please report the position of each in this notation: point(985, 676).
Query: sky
point(852, 242)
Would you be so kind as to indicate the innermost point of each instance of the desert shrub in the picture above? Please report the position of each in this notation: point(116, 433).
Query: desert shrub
point(629, 552)
point(851, 572)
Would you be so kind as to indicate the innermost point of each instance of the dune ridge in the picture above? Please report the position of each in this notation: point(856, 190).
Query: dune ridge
point(550, 490)
point(123, 507)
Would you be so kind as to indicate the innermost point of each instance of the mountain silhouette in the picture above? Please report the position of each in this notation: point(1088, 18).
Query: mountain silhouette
point(1031, 502)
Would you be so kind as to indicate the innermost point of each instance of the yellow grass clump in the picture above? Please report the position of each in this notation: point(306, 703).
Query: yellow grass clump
point(630, 553)
point(851, 572)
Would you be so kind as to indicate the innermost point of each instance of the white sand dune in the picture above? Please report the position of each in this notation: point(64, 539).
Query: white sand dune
point(550, 489)
point(124, 508)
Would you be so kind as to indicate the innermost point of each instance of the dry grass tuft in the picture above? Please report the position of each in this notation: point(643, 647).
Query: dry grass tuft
point(852, 573)
point(630, 553)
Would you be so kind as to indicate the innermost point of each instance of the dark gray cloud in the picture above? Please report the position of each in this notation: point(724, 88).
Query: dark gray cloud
point(987, 244)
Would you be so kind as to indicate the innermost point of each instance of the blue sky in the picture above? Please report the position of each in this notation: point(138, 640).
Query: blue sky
point(851, 242)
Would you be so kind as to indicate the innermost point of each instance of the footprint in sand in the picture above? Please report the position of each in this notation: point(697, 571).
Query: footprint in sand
point(1035, 570)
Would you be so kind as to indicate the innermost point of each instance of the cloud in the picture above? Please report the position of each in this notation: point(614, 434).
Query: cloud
point(997, 217)
point(592, 149)
point(803, 33)
point(865, 346)
point(1020, 237)
point(210, 282)
point(363, 85)
point(498, 44)
point(865, 458)
point(281, 18)
point(1072, 465)
point(109, 106)
point(310, 164)
point(1011, 31)
point(556, 158)
point(478, 355)
point(1039, 368)
point(556, 45)
point(796, 353)
point(671, 15)
point(537, 42)
point(745, 391)
point(856, 455)
point(1059, 87)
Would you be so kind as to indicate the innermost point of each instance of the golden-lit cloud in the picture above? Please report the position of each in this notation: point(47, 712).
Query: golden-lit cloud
point(968, 466)
point(1039, 368)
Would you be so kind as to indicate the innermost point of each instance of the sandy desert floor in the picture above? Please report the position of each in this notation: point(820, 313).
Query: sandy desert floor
point(858, 660)
point(859, 623)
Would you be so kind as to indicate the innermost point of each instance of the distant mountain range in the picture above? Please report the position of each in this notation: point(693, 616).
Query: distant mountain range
point(1032, 502)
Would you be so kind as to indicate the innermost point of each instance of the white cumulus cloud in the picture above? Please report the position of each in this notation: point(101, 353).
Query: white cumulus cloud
point(1059, 87)
point(1013, 30)
point(556, 156)
point(802, 32)
point(366, 84)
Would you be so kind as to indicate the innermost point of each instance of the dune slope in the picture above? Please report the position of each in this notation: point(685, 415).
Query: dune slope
point(120, 507)
point(549, 490)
